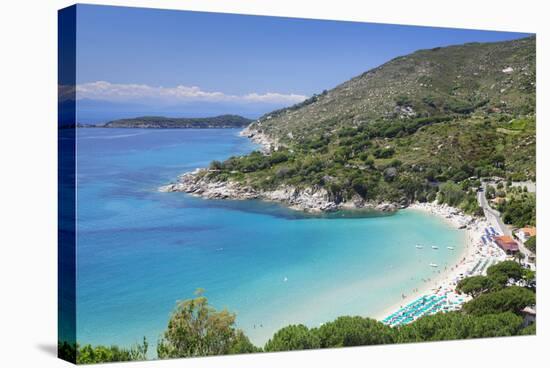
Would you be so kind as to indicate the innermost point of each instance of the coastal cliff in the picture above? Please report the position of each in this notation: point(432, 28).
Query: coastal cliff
point(311, 199)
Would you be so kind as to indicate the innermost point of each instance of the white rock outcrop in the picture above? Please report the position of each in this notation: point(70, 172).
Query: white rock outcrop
point(310, 199)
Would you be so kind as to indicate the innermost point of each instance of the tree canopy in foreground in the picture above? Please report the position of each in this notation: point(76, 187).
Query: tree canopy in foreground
point(197, 329)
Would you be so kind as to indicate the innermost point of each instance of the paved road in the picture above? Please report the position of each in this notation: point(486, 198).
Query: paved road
point(493, 216)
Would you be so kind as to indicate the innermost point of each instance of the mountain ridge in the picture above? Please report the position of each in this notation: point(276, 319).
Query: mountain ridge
point(416, 128)
point(417, 81)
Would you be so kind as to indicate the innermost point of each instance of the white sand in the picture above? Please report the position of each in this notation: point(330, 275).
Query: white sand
point(474, 251)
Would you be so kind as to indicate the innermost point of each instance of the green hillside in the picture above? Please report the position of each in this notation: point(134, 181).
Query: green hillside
point(397, 131)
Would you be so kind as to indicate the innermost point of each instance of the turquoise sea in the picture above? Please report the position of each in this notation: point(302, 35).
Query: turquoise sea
point(139, 250)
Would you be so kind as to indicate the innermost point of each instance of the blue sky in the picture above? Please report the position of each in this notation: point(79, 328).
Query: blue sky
point(189, 63)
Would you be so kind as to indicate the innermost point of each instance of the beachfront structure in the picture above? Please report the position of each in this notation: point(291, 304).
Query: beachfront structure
point(444, 300)
point(506, 243)
point(525, 233)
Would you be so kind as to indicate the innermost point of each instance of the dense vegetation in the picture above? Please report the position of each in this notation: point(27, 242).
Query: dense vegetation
point(197, 329)
point(88, 354)
point(222, 121)
point(531, 244)
point(519, 211)
point(498, 277)
point(516, 205)
point(435, 119)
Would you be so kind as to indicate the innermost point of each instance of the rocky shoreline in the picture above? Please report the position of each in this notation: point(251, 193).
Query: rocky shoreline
point(313, 200)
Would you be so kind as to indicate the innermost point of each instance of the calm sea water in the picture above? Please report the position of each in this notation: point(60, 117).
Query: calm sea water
point(139, 250)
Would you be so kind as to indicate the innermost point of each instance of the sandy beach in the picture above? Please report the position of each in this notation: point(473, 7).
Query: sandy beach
point(474, 254)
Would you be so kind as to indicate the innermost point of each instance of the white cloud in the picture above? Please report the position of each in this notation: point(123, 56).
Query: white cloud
point(102, 90)
point(274, 97)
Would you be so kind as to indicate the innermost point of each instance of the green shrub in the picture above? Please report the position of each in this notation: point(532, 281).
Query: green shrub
point(354, 331)
point(531, 244)
point(510, 299)
point(293, 337)
point(197, 329)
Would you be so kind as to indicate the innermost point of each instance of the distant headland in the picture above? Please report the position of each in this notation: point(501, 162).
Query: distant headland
point(161, 122)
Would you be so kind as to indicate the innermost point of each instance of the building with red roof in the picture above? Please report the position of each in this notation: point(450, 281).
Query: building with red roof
point(507, 244)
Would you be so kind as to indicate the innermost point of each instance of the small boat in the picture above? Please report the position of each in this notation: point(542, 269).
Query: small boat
point(285, 279)
point(435, 247)
point(451, 248)
point(433, 265)
point(418, 246)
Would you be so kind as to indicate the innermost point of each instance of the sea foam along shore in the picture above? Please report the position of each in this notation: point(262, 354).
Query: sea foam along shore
point(477, 256)
point(311, 199)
